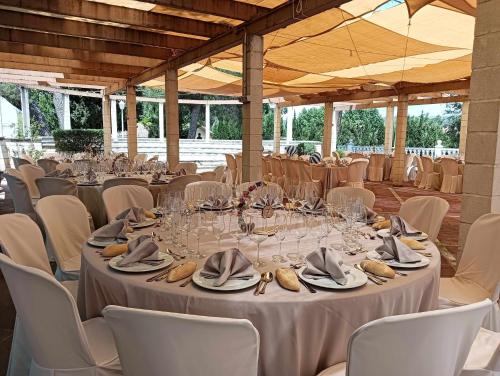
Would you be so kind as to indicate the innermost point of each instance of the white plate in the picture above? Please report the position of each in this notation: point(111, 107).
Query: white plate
point(373, 255)
point(139, 267)
point(230, 285)
point(355, 278)
point(148, 222)
point(101, 244)
point(386, 232)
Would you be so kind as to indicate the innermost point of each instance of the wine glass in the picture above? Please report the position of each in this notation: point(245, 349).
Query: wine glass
point(218, 226)
point(256, 227)
point(281, 225)
point(299, 230)
point(197, 229)
point(314, 224)
point(237, 229)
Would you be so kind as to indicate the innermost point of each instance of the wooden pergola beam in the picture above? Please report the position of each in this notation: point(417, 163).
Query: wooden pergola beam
point(275, 19)
point(415, 102)
point(89, 10)
point(28, 21)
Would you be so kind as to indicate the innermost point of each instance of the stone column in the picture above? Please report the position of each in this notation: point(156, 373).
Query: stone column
point(172, 116)
point(131, 122)
point(106, 123)
point(161, 121)
point(389, 128)
point(289, 125)
point(398, 163)
point(208, 131)
point(114, 122)
point(481, 180)
point(252, 107)
point(335, 124)
point(326, 149)
point(463, 129)
point(25, 109)
point(66, 112)
point(277, 129)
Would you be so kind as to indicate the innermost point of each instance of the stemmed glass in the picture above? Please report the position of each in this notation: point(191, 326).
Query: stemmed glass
point(281, 225)
point(326, 227)
point(218, 225)
point(197, 229)
point(314, 224)
point(299, 230)
point(256, 227)
point(236, 229)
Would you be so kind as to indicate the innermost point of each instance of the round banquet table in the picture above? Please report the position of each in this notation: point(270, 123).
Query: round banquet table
point(300, 333)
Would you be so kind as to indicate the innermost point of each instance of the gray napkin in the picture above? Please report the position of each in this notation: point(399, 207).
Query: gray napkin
point(267, 200)
point(400, 227)
point(116, 231)
point(216, 203)
point(317, 205)
point(133, 215)
point(224, 265)
point(371, 215)
point(323, 263)
point(394, 249)
point(142, 248)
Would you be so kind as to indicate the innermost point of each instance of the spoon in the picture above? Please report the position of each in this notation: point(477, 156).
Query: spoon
point(267, 277)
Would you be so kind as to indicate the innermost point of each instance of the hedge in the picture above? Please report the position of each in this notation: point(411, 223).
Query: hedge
point(78, 140)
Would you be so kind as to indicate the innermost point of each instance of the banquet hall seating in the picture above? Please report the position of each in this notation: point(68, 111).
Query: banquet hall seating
point(231, 165)
point(434, 343)
point(266, 169)
point(174, 338)
point(336, 194)
point(239, 168)
point(28, 158)
point(189, 167)
point(270, 188)
point(219, 172)
point(20, 195)
point(208, 176)
point(420, 169)
point(30, 174)
point(59, 342)
point(425, 213)
point(376, 167)
point(428, 174)
point(122, 197)
point(49, 186)
point(179, 183)
point(19, 162)
point(64, 166)
point(408, 165)
point(202, 190)
point(291, 175)
point(356, 172)
point(66, 223)
point(48, 165)
point(478, 272)
point(113, 182)
point(277, 171)
point(308, 187)
point(354, 156)
point(413, 169)
point(484, 356)
point(452, 180)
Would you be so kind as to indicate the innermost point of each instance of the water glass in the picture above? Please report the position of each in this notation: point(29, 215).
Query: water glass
point(298, 230)
point(281, 225)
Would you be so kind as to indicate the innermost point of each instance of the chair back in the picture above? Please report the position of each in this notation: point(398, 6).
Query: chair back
point(67, 226)
point(420, 165)
point(113, 182)
point(266, 167)
point(49, 316)
point(219, 172)
point(48, 165)
point(354, 156)
point(449, 166)
point(239, 168)
point(208, 176)
point(202, 190)
point(64, 166)
point(377, 160)
point(140, 158)
point(179, 183)
point(304, 171)
point(425, 213)
point(55, 186)
point(189, 167)
point(19, 162)
point(20, 193)
point(365, 195)
point(22, 241)
point(272, 189)
point(30, 174)
point(427, 164)
point(446, 335)
point(289, 170)
point(117, 199)
point(173, 338)
point(357, 170)
point(276, 167)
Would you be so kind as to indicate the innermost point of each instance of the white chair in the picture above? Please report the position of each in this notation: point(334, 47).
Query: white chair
point(232, 168)
point(367, 196)
point(30, 174)
point(408, 164)
point(433, 343)
point(202, 190)
point(64, 166)
point(179, 342)
point(219, 173)
point(189, 167)
point(20, 194)
point(50, 186)
point(59, 342)
point(113, 182)
point(484, 356)
point(428, 176)
point(452, 180)
point(48, 165)
point(117, 199)
point(356, 172)
point(208, 176)
point(66, 222)
point(376, 167)
point(269, 188)
point(425, 213)
point(478, 272)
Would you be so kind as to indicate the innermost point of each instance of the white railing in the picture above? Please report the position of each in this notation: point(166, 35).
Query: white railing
point(431, 152)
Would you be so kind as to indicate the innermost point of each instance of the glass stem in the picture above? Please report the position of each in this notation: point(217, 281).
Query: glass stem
point(258, 252)
point(281, 241)
point(298, 247)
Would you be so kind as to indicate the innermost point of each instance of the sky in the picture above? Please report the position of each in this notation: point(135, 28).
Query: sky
point(431, 109)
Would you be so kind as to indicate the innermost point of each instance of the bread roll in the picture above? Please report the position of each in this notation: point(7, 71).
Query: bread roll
point(382, 225)
point(149, 214)
point(130, 229)
point(287, 279)
point(412, 243)
point(378, 268)
point(114, 250)
point(182, 271)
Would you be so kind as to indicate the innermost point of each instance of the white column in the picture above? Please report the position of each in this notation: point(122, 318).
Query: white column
point(389, 129)
point(131, 122)
point(66, 112)
point(161, 121)
point(289, 125)
point(114, 123)
point(106, 124)
point(327, 130)
point(398, 162)
point(463, 129)
point(25, 108)
point(208, 132)
point(335, 123)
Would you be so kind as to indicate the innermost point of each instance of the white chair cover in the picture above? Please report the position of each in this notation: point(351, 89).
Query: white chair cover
point(30, 174)
point(20, 194)
point(113, 182)
point(307, 186)
point(478, 275)
point(19, 162)
point(428, 175)
point(182, 345)
point(426, 213)
point(59, 342)
point(269, 188)
point(231, 165)
point(376, 167)
point(66, 222)
point(277, 171)
point(484, 356)
point(367, 196)
point(356, 172)
point(48, 165)
point(179, 183)
point(433, 343)
point(55, 186)
point(208, 176)
point(408, 164)
point(28, 158)
point(64, 166)
point(452, 180)
point(201, 190)
point(189, 167)
point(219, 173)
point(117, 199)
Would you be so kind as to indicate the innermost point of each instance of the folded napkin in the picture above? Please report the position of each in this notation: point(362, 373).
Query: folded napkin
point(90, 176)
point(216, 202)
point(315, 206)
point(323, 263)
point(156, 178)
point(142, 248)
point(371, 215)
point(116, 231)
point(181, 172)
point(267, 200)
point(133, 215)
point(394, 249)
point(400, 227)
point(224, 265)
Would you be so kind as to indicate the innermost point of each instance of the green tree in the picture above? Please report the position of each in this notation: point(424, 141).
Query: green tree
point(451, 124)
point(308, 124)
point(424, 131)
point(86, 112)
point(267, 122)
point(362, 127)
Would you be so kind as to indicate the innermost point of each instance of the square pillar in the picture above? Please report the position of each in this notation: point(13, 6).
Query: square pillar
point(481, 180)
point(208, 131)
point(327, 130)
point(463, 129)
point(389, 128)
point(25, 109)
point(161, 121)
point(172, 116)
point(106, 123)
point(252, 107)
point(277, 129)
point(398, 163)
point(114, 122)
point(335, 124)
point(66, 112)
point(289, 125)
point(131, 122)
